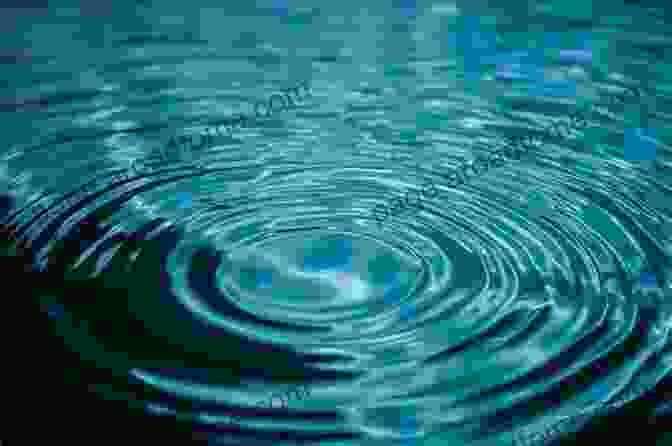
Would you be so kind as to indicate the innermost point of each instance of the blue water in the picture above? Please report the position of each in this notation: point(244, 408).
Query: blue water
point(232, 267)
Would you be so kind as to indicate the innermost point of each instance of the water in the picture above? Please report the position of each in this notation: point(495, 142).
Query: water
point(231, 264)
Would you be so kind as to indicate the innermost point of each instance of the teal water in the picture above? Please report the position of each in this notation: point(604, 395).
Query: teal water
point(458, 232)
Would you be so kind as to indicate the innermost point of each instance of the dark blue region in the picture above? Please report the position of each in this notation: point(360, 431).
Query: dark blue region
point(408, 7)
point(552, 88)
point(648, 279)
point(476, 44)
point(7, 203)
point(639, 145)
point(256, 277)
point(338, 253)
point(280, 8)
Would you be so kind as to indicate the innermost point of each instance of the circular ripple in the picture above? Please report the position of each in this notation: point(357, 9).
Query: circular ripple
point(253, 288)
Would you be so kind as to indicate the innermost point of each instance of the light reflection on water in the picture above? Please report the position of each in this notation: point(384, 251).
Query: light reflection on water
point(253, 259)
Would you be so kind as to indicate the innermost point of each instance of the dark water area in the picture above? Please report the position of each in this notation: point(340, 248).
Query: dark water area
point(284, 222)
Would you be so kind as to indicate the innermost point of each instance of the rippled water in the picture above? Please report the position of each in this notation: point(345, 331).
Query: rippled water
point(230, 276)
